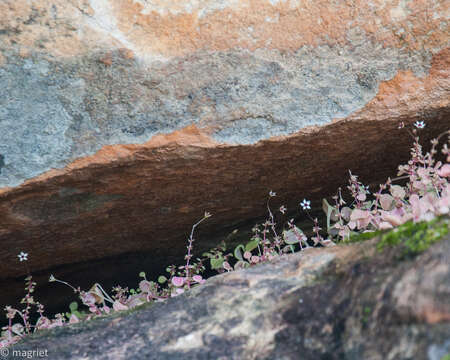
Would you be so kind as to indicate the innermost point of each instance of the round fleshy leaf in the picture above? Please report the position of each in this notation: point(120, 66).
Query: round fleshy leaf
point(386, 202)
point(241, 265)
point(17, 329)
point(198, 278)
point(252, 245)
point(145, 286)
point(346, 213)
point(177, 281)
point(397, 191)
point(118, 306)
point(361, 196)
point(73, 319)
point(238, 252)
point(216, 263)
point(73, 306)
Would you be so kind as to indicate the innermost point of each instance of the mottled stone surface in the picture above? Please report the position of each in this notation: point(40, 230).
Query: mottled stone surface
point(75, 76)
point(122, 121)
point(345, 302)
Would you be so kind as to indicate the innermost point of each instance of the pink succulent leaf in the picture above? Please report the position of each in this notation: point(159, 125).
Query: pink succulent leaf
point(247, 255)
point(426, 204)
point(446, 190)
point(198, 278)
point(392, 219)
point(444, 202)
point(118, 306)
point(346, 213)
point(444, 206)
point(363, 223)
point(17, 329)
point(386, 201)
point(423, 172)
point(344, 232)
point(73, 319)
point(43, 323)
point(178, 281)
point(428, 216)
point(408, 217)
point(361, 197)
point(177, 292)
point(400, 211)
point(134, 300)
point(397, 191)
point(444, 171)
point(145, 286)
point(226, 265)
point(419, 185)
point(358, 214)
point(56, 323)
point(384, 225)
point(327, 242)
point(415, 205)
point(87, 298)
point(240, 265)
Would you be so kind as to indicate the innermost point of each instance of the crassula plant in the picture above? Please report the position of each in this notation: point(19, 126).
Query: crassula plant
point(424, 195)
point(421, 192)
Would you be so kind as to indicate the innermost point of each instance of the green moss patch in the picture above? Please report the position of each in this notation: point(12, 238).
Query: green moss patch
point(358, 237)
point(415, 238)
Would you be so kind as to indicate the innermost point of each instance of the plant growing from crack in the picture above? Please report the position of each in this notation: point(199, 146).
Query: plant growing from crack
point(424, 197)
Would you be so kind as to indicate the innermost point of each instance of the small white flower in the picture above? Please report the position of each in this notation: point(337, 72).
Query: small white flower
point(419, 124)
point(305, 204)
point(22, 256)
point(283, 209)
point(272, 194)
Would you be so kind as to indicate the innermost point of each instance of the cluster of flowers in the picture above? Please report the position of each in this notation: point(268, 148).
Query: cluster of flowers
point(425, 195)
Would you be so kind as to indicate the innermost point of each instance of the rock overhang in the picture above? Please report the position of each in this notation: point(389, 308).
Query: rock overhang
point(61, 111)
point(95, 73)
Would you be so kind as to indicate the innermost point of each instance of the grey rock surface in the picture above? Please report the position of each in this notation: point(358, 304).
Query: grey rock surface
point(53, 112)
point(346, 302)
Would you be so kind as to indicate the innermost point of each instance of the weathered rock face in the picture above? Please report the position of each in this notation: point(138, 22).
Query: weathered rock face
point(76, 76)
point(192, 86)
point(345, 302)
